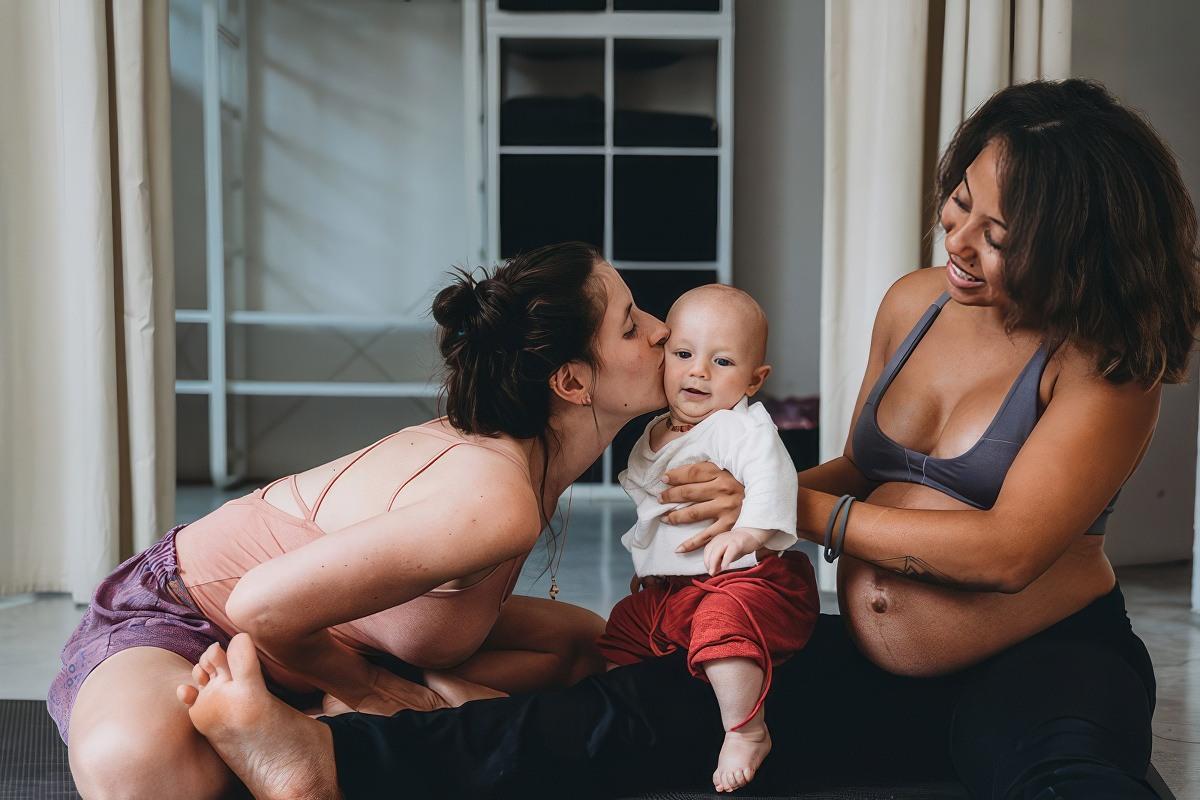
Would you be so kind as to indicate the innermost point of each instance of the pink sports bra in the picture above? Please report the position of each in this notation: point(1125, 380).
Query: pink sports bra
point(439, 629)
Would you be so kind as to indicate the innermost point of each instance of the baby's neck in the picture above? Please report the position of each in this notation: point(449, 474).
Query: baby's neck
point(670, 428)
point(664, 432)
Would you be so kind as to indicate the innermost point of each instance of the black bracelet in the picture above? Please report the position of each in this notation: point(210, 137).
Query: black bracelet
point(839, 538)
point(842, 502)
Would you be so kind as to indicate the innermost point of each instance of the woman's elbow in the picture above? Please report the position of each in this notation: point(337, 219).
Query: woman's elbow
point(251, 611)
point(1017, 573)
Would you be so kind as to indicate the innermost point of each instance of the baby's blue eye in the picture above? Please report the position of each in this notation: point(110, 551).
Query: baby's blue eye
point(723, 362)
point(682, 354)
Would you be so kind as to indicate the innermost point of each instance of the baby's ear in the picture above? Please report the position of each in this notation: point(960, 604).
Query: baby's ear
point(756, 379)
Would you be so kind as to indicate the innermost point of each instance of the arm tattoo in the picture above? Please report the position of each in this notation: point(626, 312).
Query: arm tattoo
point(918, 569)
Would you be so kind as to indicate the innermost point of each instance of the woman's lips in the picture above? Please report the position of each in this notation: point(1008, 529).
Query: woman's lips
point(955, 274)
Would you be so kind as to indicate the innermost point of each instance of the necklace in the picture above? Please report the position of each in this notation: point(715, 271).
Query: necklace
point(678, 428)
point(555, 562)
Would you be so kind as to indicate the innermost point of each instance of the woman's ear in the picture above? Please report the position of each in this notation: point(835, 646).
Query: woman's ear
point(567, 382)
point(756, 379)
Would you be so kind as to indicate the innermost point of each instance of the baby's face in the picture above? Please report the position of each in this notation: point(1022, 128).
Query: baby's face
point(714, 358)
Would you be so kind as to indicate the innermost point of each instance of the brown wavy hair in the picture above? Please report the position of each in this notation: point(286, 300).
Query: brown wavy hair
point(1101, 246)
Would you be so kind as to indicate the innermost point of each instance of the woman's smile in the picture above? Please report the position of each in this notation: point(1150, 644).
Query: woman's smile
point(960, 278)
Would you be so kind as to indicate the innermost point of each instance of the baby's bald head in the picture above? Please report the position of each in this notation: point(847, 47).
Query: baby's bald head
point(731, 310)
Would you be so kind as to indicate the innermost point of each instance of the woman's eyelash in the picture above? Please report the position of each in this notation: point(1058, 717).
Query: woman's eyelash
point(987, 236)
point(629, 333)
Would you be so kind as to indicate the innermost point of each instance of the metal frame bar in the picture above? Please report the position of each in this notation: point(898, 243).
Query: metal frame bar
point(218, 453)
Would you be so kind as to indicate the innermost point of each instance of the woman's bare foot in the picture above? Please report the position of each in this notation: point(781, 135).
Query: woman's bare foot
point(741, 755)
point(278, 752)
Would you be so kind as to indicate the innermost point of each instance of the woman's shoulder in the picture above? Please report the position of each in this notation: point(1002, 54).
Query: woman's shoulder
point(908, 298)
point(1072, 370)
point(477, 473)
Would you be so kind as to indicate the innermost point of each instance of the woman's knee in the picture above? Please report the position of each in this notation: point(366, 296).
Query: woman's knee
point(116, 759)
point(1074, 758)
point(580, 651)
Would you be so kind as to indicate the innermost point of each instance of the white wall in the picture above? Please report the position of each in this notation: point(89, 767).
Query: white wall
point(1146, 54)
point(779, 75)
point(355, 193)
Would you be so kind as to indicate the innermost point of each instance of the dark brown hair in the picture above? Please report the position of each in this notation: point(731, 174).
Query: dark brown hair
point(1101, 242)
point(502, 336)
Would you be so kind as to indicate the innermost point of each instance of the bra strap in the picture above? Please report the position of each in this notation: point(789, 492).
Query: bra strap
point(896, 362)
point(422, 468)
point(321, 497)
point(303, 506)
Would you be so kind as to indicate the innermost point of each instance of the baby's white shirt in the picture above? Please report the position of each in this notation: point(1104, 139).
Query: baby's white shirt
point(742, 440)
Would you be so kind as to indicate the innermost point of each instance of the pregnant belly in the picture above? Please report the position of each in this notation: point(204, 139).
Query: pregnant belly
point(913, 628)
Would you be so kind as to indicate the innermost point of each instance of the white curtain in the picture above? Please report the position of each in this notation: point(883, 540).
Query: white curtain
point(86, 289)
point(877, 96)
point(879, 103)
point(875, 52)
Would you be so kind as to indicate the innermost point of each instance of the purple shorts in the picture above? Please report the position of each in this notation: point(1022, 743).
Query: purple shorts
point(141, 604)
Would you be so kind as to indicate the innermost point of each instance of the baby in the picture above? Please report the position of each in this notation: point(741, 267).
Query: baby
point(735, 614)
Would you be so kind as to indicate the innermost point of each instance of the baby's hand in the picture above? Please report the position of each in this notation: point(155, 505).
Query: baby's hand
point(728, 547)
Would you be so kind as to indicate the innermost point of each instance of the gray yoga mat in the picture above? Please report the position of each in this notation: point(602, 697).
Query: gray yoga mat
point(33, 764)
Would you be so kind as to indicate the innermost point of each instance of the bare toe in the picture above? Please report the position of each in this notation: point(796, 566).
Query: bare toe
point(214, 662)
point(200, 675)
point(242, 659)
point(279, 753)
point(186, 693)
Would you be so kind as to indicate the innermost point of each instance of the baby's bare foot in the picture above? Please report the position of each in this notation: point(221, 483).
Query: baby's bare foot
point(741, 755)
point(276, 751)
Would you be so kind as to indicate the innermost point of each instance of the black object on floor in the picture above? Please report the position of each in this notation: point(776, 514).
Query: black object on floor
point(33, 764)
point(33, 760)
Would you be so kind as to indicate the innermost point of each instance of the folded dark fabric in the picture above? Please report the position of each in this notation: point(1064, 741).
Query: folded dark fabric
point(552, 121)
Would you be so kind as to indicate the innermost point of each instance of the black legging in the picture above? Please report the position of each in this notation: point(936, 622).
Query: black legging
point(1064, 714)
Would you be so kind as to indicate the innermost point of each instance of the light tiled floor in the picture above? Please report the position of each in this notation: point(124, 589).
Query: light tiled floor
point(594, 573)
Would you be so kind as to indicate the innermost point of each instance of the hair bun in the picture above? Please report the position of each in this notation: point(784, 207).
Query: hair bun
point(496, 319)
point(478, 311)
point(455, 304)
point(504, 331)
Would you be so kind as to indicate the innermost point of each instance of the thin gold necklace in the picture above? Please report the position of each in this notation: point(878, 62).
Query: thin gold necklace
point(557, 559)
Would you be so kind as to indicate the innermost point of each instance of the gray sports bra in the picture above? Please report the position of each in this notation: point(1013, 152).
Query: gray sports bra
point(975, 477)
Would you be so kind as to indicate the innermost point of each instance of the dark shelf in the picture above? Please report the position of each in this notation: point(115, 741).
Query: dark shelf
point(552, 121)
point(665, 208)
point(552, 5)
point(547, 199)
